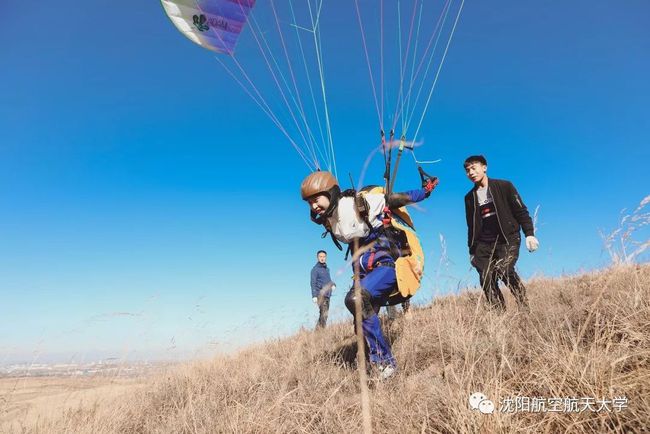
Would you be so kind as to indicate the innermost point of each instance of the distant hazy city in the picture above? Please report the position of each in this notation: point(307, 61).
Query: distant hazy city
point(111, 368)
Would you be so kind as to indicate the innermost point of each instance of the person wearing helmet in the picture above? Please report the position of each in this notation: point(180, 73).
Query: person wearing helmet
point(339, 213)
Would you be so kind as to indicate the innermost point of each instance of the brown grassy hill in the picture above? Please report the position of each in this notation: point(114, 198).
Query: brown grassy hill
point(586, 337)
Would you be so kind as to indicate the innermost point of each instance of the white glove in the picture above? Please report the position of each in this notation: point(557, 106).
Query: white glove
point(333, 287)
point(315, 299)
point(531, 243)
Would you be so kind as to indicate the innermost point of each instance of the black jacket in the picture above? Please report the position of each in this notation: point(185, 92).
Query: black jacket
point(512, 213)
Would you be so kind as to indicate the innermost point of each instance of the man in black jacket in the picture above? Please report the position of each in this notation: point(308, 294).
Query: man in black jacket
point(495, 215)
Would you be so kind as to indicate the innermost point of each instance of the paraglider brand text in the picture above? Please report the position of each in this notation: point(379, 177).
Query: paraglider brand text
point(204, 24)
point(218, 22)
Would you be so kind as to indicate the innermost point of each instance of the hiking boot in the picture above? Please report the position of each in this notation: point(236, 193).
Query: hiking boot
point(386, 371)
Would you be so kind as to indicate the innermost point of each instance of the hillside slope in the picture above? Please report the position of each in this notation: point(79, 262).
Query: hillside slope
point(586, 337)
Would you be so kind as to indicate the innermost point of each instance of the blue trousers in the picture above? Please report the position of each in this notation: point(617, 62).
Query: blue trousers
point(377, 287)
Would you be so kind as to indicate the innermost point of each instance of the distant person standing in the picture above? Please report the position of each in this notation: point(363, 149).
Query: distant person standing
point(495, 215)
point(321, 287)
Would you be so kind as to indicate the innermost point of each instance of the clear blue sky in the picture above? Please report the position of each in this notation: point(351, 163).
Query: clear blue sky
point(149, 209)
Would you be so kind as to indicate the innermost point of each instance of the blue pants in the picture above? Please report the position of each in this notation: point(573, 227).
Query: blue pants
point(376, 289)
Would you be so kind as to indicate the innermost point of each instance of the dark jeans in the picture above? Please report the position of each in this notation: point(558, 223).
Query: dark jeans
point(494, 262)
point(323, 307)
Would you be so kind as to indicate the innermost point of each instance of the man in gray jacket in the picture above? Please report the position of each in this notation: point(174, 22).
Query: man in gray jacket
point(495, 216)
point(321, 287)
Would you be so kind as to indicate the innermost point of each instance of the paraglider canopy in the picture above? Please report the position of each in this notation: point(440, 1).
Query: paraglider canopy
point(212, 24)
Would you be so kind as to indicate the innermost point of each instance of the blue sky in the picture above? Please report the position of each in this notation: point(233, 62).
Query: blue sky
point(148, 208)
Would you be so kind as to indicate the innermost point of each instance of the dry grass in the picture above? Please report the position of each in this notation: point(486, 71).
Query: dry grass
point(23, 401)
point(587, 336)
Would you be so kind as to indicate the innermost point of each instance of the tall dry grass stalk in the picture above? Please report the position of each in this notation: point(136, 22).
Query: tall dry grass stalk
point(361, 354)
point(625, 244)
point(586, 336)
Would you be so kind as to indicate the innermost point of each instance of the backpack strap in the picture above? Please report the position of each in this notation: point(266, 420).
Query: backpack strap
point(360, 204)
point(328, 229)
point(363, 209)
point(347, 253)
